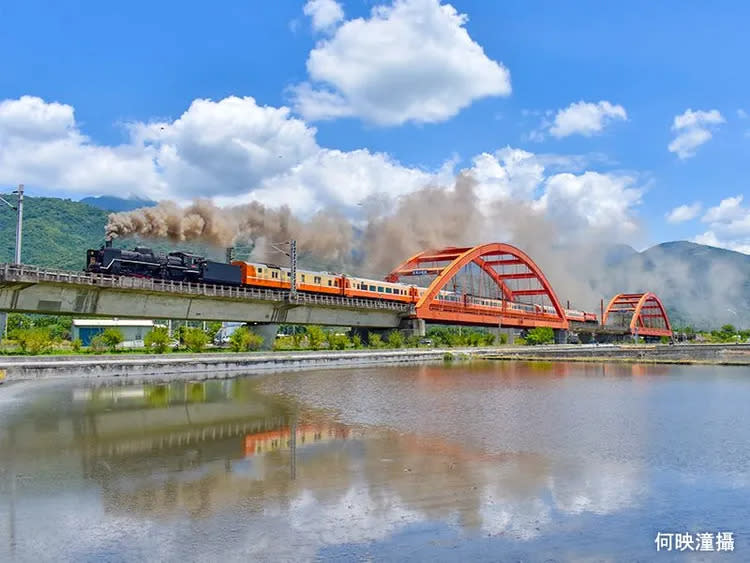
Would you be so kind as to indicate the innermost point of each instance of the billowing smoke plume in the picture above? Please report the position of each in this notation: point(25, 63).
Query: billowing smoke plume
point(327, 236)
point(581, 270)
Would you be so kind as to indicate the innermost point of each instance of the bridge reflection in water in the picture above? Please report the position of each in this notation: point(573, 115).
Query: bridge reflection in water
point(222, 449)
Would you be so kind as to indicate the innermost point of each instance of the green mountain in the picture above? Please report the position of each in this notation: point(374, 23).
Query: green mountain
point(112, 203)
point(699, 285)
point(57, 232)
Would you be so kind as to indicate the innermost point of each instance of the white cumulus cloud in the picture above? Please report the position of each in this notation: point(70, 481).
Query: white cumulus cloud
point(585, 118)
point(729, 225)
point(692, 129)
point(412, 60)
point(684, 213)
point(235, 151)
point(592, 202)
point(324, 13)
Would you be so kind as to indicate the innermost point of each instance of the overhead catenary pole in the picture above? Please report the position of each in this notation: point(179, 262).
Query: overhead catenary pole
point(293, 269)
point(19, 224)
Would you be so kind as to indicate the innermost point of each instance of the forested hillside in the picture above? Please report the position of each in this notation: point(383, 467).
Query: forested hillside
point(57, 232)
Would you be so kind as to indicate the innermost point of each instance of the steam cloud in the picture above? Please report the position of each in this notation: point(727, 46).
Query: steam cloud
point(436, 216)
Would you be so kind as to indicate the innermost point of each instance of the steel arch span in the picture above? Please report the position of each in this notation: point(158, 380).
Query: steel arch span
point(492, 284)
point(642, 313)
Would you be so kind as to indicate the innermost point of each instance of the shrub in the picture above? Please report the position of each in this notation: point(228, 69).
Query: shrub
point(540, 335)
point(315, 337)
point(195, 339)
point(357, 342)
point(503, 338)
point(157, 340)
point(489, 339)
point(412, 341)
point(283, 343)
point(296, 339)
point(97, 344)
point(338, 342)
point(448, 357)
point(76, 345)
point(395, 339)
point(33, 340)
point(375, 340)
point(112, 337)
point(243, 340)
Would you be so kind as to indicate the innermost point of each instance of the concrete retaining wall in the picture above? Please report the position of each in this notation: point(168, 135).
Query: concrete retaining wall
point(210, 366)
point(709, 353)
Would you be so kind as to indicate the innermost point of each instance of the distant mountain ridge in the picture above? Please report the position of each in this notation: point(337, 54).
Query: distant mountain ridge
point(112, 203)
point(700, 285)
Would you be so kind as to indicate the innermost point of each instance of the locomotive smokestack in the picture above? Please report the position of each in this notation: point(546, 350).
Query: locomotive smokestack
point(230, 251)
point(108, 242)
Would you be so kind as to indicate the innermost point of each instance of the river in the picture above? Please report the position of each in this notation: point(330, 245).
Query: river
point(483, 461)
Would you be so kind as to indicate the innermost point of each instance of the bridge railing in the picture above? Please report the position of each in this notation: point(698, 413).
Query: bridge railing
point(21, 273)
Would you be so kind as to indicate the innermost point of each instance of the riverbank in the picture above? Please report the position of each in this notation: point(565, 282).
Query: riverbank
point(714, 354)
point(213, 366)
point(223, 365)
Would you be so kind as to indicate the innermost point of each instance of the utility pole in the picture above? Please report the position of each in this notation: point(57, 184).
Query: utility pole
point(19, 224)
point(17, 258)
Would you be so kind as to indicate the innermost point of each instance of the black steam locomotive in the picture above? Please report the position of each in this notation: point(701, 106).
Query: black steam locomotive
point(177, 266)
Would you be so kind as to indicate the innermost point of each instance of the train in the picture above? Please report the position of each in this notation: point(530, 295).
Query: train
point(183, 266)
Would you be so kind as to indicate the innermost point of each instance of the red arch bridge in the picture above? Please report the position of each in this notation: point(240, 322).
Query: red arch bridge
point(495, 285)
point(498, 284)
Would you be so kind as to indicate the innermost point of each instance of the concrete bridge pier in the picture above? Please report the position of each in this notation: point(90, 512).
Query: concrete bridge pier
point(413, 327)
point(268, 331)
point(561, 336)
point(510, 334)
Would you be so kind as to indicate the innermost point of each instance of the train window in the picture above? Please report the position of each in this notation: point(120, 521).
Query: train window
point(260, 270)
point(303, 277)
point(316, 279)
point(274, 274)
point(380, 289)
point(329, 282)
point(388, 290)
point(372, 288)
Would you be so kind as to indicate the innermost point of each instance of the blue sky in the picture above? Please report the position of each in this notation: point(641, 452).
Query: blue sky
point(500, 79)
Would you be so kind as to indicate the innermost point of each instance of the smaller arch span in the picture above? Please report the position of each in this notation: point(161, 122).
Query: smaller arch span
point(644, 314)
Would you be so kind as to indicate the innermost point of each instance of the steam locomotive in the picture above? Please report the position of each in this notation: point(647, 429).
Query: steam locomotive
point(145, 263)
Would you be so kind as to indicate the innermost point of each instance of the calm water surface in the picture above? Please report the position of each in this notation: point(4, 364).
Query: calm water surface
point(487, 461)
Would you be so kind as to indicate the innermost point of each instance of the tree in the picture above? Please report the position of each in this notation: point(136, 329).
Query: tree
point(375, 340)
point(244, 340)
point(339, 342)
point(34, 340)
point(212, 329)
point(112, 337)
point(195, 339)
point(315, 337)
point(412, 341)
point(395, 339)
point(157, 340)
point(540, 335)
point(18, 321)
point(97, 344)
